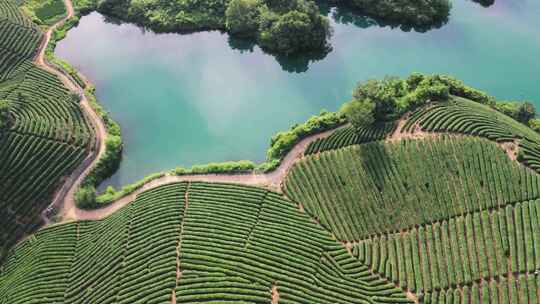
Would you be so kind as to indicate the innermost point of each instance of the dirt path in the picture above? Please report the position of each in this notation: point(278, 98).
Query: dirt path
point(270, 181)
point(64, 196)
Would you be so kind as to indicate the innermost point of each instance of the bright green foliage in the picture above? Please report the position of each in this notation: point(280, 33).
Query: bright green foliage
point(382, 187)
point(47, 135)
point(283, 142)
point(45, 12)
point(349, 136)
point(387, 99)
point(210, 243)
point(359, 112)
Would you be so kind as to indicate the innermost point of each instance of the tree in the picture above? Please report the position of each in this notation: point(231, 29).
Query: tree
point(526, 112)
point(384, 94)
point(4, 114)
point(359, 112)
point(242, 17)
point(300, 29)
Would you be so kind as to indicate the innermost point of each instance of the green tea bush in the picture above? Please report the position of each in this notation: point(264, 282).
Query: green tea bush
point(233, 167)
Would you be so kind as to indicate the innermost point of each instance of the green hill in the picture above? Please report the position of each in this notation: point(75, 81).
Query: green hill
point(45, 136)
point(204, 243)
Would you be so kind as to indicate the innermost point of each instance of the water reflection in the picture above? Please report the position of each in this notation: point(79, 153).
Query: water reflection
point(485, 3)
point(342, 13)
point(188, 99)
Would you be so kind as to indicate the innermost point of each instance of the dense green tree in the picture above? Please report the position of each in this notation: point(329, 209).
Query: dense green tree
point(383, 94)
point(301, 29)
point(520, 111)
point(418, 14)
point(359, 112)
point(526, 112)
point(242, 17)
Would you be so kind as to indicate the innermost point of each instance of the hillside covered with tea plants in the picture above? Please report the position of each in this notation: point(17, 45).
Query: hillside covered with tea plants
point(438, 204)
point(43, 133)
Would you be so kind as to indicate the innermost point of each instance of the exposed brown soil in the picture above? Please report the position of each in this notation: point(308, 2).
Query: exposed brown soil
point(275, 294)
point(64, 196)
point(271, 181)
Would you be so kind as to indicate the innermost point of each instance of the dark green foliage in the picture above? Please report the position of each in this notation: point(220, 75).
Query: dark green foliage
point(300, 29)
point(283, 28)
point(520, 111)
point(4, 114)
point(359, 112)
point(242, 17)
point(418, 14)
point(485, 3)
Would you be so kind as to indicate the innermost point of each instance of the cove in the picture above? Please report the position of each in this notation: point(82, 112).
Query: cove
point(184, 99)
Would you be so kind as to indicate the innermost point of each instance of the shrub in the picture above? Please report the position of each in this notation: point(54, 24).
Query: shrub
point(242, 166)
point(85, 197)
point(282, 142)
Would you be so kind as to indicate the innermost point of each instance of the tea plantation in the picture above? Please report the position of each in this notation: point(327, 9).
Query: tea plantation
point(45, 135)
point(449, 216)
point(196, 242)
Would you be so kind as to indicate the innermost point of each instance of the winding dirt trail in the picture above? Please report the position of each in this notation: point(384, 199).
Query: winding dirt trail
point(64, 198)
point(66, 193)
point(270, 181)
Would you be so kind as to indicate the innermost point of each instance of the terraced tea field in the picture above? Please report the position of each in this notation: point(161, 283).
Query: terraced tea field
point(196, 242)
point(47, 134)
point(439, 206)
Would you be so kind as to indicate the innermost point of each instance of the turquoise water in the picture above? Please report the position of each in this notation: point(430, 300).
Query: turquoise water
point(188, 99)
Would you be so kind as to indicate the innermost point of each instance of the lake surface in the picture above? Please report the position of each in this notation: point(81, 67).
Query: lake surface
point(191, 99)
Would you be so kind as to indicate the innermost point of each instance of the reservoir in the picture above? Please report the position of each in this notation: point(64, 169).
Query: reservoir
point(184, 99)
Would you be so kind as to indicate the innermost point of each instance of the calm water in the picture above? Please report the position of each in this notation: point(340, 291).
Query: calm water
point(187, 99)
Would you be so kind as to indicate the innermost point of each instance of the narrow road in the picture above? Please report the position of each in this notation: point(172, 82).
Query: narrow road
point(64, 199)
point(67, 191)
point(270, 180)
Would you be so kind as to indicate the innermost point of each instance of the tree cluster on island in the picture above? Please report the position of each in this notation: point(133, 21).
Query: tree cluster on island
point(278, 26)
point(390, 98)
